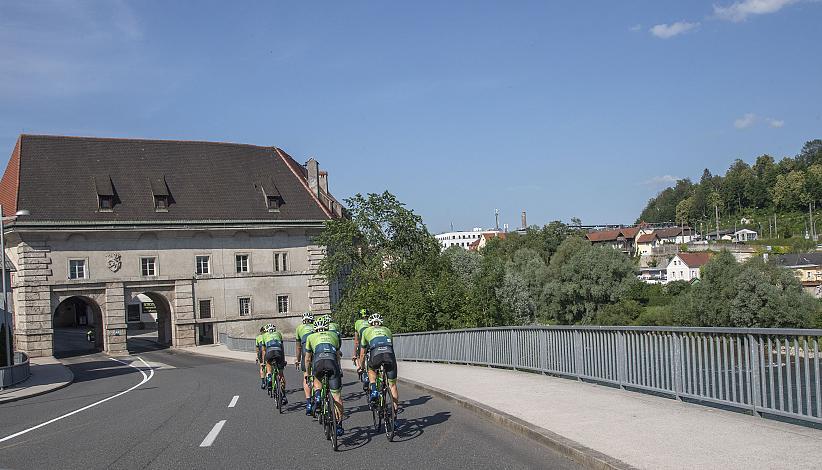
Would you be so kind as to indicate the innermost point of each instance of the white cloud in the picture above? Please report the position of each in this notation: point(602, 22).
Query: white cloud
point(636, 27)
point(666, 31)
point(741, 10)
point(745, 121)
point(664, 180)
point(775, 123)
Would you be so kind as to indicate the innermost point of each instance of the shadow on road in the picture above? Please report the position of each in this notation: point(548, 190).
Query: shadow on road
point(94, 370)
point(410, 429)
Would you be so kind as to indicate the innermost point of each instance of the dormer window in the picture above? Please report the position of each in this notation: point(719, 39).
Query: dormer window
point(159, 189)
point(105, 193)
point(273, 199)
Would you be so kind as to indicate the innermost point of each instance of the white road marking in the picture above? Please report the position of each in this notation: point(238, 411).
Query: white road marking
point(234, 401)
point(212, 435)
point(146, 378)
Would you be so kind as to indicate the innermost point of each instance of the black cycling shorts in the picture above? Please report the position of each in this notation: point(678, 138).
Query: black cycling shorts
point(387, 360)
point(330, 367)
point(275, 355)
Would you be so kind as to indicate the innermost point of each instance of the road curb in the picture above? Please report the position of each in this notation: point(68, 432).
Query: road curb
point(581, 454)
point(59, 386)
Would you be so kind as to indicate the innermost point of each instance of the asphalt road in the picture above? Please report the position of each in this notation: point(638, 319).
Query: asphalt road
point(162, 423)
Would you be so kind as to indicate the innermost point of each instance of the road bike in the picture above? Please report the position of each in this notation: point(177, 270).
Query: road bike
point(326, 411)
point(277, 392)
point(382, 410)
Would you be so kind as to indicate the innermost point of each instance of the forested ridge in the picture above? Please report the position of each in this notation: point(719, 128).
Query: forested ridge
point(766, 187)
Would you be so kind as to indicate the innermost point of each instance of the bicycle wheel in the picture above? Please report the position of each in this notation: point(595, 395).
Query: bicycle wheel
point(332, 421)
point(390, 417)
point(280, 394)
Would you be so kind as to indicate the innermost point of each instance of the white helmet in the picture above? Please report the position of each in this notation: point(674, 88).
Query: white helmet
point(375, 319)
point(308, 317)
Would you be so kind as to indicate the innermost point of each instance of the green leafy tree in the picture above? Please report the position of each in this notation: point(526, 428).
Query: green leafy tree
point(584, 279)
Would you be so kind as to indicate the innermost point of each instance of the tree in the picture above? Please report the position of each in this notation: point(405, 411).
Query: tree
point(525, 277)
point(584, 279)
point(685, 211)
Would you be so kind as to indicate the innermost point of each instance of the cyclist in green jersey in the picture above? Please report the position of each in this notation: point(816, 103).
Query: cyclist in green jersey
point(257, 345)
point(323, 353)
point(303, 330)
point(378, 341)
point(273, 352)
point(359, 327)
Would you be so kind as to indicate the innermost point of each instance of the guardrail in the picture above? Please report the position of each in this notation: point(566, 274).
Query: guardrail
point(766, 371)
point(17, 372)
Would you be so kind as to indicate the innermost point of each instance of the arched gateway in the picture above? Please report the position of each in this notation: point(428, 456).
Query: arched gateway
point(193, 240)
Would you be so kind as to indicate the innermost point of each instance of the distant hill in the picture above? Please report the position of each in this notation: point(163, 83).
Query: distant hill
point(766, 187)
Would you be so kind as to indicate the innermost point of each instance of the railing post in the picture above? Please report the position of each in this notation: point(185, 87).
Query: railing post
point(488, 350)
point(755, 380)
point(622, 360)
point(514, 349)
point(677, 363)
point(578, 365)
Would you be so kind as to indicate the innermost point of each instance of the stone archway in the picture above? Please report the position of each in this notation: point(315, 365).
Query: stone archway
point(78, 327)
point(149, 320)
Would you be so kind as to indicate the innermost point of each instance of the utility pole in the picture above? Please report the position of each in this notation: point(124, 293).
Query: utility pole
point(716, 208)
point(775, 230)
point(810, 213)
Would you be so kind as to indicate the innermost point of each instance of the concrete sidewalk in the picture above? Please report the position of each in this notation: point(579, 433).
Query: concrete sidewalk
point(636, 429)
point(47, 375)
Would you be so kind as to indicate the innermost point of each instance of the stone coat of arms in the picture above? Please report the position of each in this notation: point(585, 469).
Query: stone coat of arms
point(114, 262)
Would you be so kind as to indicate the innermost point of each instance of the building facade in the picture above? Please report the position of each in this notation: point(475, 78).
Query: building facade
point(686, 266)
point(463, 239)
point(197, 239)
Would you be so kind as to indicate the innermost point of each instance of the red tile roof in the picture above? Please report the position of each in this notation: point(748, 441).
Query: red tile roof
point(647, 237)
point(604, 235)
point(694, 260)
point(631, 232)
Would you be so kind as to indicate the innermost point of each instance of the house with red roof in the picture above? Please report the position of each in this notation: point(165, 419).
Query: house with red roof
point(687, 266)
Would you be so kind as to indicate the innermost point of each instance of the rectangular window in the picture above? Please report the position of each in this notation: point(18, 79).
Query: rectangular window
point(133, 312)
point(241, 263)
point(245, 306)
point(205, 308)
point(77, 269)
point(148, 266)
point(280, 262)
point(106, 203)
point(273, 203)
point(161, 203)
point(282, 304)
point(203, 264)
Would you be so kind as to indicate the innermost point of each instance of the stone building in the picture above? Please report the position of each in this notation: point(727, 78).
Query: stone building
point(197, 238)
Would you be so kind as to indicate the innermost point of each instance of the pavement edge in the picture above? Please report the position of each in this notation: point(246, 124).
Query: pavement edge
point(581, 454)
point(59, 386)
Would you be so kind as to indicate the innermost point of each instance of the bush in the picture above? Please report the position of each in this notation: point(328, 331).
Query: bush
point(621, 313)
point(655, 316)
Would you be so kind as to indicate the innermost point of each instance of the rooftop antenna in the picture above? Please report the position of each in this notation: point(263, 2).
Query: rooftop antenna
point(452, 225)
point(496, 216)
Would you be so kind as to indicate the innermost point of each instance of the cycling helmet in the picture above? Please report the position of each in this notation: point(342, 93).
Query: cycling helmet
point(308, 317)
point(271, 328)
point(363, 312)
point(375, 319)
point(321, 324)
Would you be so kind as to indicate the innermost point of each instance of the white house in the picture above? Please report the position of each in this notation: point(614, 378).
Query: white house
point(745, 235)
point(686, 266)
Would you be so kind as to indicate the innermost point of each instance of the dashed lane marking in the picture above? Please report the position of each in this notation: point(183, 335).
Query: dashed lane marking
point(212, 435)
point(234, 401)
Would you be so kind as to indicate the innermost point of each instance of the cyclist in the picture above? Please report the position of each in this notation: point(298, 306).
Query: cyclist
point(323, 353)
point(303, 330)
point(359, 327)
point(378, 342)
point(272, 342)
point(258, 346)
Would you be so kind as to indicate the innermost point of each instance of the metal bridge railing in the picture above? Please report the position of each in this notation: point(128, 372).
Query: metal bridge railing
point(772, 371)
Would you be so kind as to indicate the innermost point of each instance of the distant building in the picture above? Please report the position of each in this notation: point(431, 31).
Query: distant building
point(808, 269)
point(480, 243)
point(686, 266)
point(745, 235)
point(623, 239)
point(463, 239)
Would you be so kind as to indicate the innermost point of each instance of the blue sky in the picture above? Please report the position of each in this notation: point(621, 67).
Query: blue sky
point(562, 109)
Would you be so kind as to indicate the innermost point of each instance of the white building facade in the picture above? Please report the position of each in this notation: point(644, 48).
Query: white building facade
point(462, 239)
